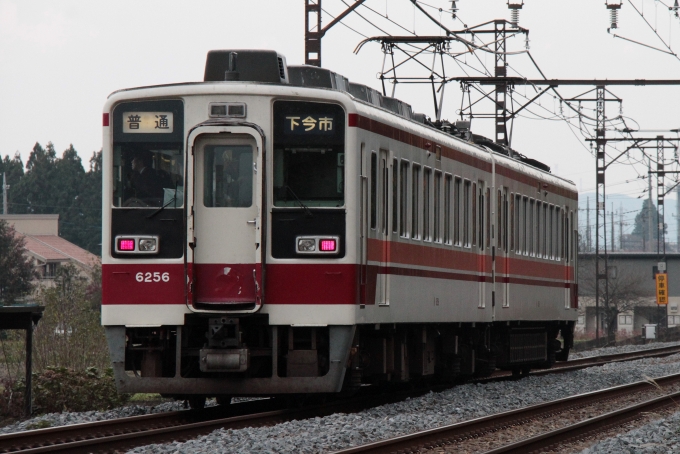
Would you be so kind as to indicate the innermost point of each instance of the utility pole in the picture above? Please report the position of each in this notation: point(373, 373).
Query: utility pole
point(601, 266)
point(314, 32)
point(588, 248)
point(660, 193)
point(611, 238)
point(501, 91)
point(621, 227)
point(5, 187)
point(677, 219)
point(650, 206)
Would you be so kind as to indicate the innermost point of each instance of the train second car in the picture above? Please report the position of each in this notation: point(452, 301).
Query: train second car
point(276, 230)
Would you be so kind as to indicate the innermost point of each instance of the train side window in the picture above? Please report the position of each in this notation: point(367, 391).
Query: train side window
point(499, 220)
point(560, 226)
point(473, 213)
point(457, 194)
point(395, 196)
point(447, 208)
point(415, 213)
point(437, 205)
point(531, 225)
point(385, 194)
point(488, 217)
point(517, 211)
point(540, 235)
point(427, 176)
point(466, 213)
point(505, 221)
point(512, 221)
point(374, 190)
point(565, 234)
point(480, 208)
point(525, 225)
point(403, 189)
point(551, 229)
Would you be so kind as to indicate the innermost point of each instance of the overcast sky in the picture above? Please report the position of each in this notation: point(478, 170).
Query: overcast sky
point(59, 60)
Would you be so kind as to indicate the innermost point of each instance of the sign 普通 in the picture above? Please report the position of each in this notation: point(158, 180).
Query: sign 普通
point(147, 122)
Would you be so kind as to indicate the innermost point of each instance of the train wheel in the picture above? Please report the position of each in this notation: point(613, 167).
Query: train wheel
point(197, 402)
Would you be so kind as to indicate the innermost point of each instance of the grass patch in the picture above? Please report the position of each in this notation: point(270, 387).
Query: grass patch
point(145, 397)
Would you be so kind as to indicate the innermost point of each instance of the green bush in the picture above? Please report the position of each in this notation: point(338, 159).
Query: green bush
point(59, 389)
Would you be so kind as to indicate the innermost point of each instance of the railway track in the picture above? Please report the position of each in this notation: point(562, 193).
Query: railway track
point(453, 437)
point(126, 433)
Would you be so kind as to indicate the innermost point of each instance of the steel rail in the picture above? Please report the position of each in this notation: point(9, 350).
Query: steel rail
point(108, 435)
point(453, 433)
point(592, 361)
point(587, 427)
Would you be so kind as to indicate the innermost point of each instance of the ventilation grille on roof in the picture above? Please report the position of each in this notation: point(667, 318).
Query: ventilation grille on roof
point(246, 65)
point(282, 70)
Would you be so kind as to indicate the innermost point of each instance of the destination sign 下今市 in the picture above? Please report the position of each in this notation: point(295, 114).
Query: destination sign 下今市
point(147, 122)
point(309, 124)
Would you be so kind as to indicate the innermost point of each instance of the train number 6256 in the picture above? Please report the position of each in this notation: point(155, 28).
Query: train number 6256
point(152, 277)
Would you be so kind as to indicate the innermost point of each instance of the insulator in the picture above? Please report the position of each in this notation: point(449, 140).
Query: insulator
point(514, 17)
point(454, 10)
point(614, 13)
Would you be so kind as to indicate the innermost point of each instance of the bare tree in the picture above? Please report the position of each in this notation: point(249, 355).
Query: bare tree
point(626, 291)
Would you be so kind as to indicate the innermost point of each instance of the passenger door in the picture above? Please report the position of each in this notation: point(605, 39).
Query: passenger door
point(226, 271)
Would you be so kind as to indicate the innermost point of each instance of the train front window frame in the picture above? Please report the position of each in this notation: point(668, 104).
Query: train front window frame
point(148, 175)
point(309, 155)
point(148, 154)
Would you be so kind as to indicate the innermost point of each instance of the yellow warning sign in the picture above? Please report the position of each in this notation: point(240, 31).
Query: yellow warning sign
point(661, 288)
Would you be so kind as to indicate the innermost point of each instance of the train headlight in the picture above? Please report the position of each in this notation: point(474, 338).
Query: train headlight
point(148, 245)
point(318, 245)
point(306, 245)
point(136, 244)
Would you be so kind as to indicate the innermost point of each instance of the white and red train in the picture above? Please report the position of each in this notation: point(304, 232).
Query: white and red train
point(279, 230)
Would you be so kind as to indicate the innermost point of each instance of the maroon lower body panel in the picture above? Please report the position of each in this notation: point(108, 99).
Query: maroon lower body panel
point(225, 283)
point(311, 284)
point(143, 284)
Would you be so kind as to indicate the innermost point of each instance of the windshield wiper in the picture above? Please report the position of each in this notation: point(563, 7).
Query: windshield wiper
point(302, 205)
point(174, 199)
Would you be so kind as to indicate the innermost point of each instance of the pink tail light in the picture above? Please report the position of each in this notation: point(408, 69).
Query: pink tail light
point(126, 245)
point(327, 245)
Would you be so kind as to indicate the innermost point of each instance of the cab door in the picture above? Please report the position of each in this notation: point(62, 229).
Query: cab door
point(226, 269)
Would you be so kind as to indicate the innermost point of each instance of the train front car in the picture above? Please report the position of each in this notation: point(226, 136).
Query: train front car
point(279, 230)
point(225, 262)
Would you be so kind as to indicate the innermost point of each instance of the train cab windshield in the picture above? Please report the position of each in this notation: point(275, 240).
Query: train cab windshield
point(148, 157)
point(309, 154)
point(148, 175)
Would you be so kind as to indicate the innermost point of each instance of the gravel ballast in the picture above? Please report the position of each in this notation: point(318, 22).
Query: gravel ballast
point(622, 349)
point(341, 431)
point(658, 437)
point(461, 403)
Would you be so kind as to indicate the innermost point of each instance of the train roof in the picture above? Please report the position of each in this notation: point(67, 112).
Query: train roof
point(261, 67)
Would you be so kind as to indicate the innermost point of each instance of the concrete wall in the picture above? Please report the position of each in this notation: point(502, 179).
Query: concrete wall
point(33, 224)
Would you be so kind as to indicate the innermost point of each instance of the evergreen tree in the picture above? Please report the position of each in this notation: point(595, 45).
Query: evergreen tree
point(16, 270)
point(53, 185)
point(14, 171)
point(648, 209)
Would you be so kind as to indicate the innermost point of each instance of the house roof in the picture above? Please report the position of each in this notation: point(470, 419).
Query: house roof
point(56, 249)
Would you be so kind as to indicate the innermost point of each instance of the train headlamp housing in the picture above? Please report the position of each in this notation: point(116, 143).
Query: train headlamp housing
point(136, 244)
point(317, 245)
point(148, 244)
